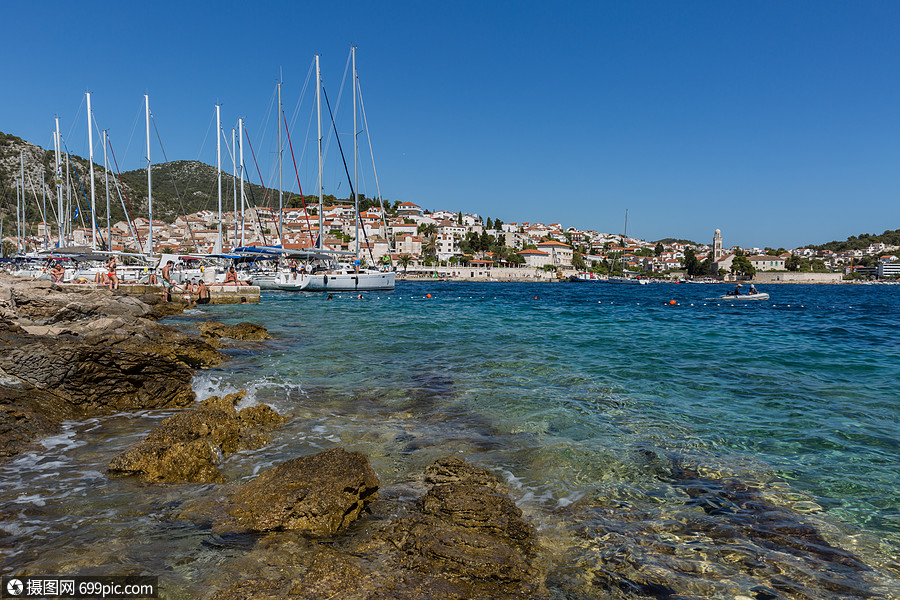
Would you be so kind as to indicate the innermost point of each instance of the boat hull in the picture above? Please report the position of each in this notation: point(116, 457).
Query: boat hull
point(350, 282)
point(745, 297)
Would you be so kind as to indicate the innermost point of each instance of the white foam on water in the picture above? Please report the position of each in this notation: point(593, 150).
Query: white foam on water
point(570, 499)
point(17, 528)
point(275, 393)
point(35, 499)
point(511, 480)
point(62, 441)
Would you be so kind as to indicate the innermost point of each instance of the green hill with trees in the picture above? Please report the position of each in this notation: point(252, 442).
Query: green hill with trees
point(864, 240)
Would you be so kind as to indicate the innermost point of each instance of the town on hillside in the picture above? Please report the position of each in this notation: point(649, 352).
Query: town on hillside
point(400, 234)
point(423, 242)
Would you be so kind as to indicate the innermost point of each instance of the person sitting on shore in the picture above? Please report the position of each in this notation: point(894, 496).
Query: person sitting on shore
point(111, 276)
point(232, 279)
point(57, 273)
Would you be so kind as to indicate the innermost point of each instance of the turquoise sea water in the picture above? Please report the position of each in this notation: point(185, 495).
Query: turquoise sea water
point(596, 403)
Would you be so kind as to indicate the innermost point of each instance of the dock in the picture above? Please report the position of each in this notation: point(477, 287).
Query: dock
point(218, 294)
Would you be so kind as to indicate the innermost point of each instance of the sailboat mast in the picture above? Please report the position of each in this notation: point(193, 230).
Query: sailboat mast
point(149, 178)
point(624, 242)
point(59, 197)
point(22, 161)
point(280, 173)
point(355, 156)
point(234, 185)
point(68, 198)
point(319, 111)
point(241, 136)
point(219, 170)
point(46, 224)
point(18, 218)
point(106, 175)
point(91, 164)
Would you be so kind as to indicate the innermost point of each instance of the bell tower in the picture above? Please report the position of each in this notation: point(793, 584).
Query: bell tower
point(717, 245)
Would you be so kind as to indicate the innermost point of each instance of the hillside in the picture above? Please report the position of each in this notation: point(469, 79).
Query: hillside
point(179, 187)
point(861, 241)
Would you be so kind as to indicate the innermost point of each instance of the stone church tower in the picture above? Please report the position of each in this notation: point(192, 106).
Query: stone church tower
point(717, 246)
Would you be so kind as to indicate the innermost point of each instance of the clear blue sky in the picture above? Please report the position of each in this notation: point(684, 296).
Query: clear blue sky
point(778, 122)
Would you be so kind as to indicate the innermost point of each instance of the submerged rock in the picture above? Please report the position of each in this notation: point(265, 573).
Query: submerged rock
point(242, 331)
point(464, 538)
point(710, 538)
point(317, 495)
point(188, 446)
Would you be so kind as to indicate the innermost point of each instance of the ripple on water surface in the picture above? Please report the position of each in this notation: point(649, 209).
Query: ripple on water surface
point(694, 450)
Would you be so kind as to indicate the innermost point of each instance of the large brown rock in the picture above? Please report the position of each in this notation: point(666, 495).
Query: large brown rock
point(188, 446)
point(249, 332)
point(463, 539)
point(69, 354)
point(317, 495)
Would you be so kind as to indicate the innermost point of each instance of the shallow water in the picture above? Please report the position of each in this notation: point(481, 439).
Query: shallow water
point(619, 421)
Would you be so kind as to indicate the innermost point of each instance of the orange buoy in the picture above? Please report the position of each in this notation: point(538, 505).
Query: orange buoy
point(428, 295)
point(671, 303)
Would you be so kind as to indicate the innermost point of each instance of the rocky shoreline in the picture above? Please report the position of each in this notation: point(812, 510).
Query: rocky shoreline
point(324, 526)
point(80, 354)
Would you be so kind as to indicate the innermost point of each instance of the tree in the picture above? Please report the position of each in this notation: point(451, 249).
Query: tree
point(578, 261)
point(690, 262)
point(489, 224)
point(404, 261)
point(792, 263)
point(429, 247)
point(487, 240)
point(459, 218)
point(498, 224)
point(427, 229)
point(742, 266)
point(704, 269)
point(659, 249)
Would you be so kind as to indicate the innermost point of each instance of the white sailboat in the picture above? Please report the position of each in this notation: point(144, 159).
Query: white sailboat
point(322, 269)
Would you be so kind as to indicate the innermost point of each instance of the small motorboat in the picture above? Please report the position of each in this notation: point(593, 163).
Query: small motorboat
point(744, 297)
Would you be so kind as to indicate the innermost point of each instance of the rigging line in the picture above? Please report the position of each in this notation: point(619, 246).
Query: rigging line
point(262, 140)
point(299, 104)
point(77, 115)
point(302, 93)
point(306, 214)
point(37, 200)
point(133, 128)
point(128, 211)
point(333, 133)
point(205, 137)
point(266, 198)
point(174, 183)
point(362, 108)
point(84, 194)
point(253, 154)
point(6, 197)
point(346, 170)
